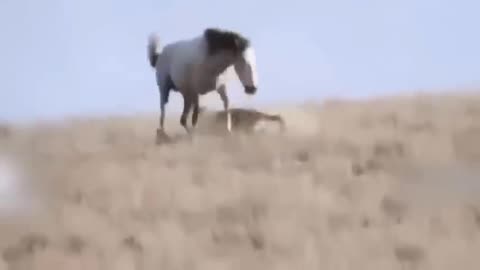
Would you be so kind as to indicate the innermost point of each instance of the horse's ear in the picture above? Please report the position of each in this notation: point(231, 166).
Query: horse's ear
point(238, 44)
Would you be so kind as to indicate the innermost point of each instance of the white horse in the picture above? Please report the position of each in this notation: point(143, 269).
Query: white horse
point(200, 65)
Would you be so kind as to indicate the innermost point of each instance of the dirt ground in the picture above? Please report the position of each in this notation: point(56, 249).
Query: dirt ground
point(388, 183)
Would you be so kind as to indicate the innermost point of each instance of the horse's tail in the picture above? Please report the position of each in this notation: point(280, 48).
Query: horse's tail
point(152, 49)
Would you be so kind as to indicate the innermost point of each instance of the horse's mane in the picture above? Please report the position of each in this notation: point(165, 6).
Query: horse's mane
point(218, 40)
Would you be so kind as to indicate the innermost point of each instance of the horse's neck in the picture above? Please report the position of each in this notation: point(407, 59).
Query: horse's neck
point(207, 70)
point(217, 64)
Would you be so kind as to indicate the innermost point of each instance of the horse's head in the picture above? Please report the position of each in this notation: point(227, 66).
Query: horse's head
point(246, 69)
point(244, 60)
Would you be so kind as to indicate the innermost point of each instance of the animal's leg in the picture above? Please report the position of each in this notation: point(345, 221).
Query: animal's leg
point(196, 108)
point(187, 104)
point(161, 135)
point(223, 95)
point(162, 108)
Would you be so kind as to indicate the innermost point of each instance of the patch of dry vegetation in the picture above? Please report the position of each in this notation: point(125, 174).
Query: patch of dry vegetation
point(380, 184)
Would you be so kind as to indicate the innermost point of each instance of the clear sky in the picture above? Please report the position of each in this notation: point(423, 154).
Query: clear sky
point(69, 57)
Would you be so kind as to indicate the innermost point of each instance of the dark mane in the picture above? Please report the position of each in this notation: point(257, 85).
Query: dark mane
point(219, 40)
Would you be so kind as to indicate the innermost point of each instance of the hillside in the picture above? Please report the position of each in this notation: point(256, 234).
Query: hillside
point(390, 183)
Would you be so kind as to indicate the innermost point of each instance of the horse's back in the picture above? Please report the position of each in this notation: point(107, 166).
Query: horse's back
point(180, 57)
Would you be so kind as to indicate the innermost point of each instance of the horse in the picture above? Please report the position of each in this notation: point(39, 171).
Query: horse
point(200, 65)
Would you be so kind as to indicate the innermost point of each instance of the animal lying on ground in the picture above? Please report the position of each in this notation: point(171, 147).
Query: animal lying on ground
point(198, 66)
point(246, 120)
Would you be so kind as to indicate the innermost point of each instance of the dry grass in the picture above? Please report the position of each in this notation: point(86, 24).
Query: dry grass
point(381, 184)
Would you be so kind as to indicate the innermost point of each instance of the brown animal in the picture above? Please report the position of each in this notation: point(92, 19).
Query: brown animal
point(246, 120)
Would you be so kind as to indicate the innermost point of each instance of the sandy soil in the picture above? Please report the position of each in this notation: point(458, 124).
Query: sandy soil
point(391, 183)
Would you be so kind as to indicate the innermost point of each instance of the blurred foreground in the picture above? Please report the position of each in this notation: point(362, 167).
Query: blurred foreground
point(391, 183)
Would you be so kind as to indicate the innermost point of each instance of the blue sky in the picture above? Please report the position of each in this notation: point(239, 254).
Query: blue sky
point(65, 57)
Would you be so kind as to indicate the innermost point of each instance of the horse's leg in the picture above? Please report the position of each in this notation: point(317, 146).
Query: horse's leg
point(196, 108)
point(162, 108)
point(163, 91)
point(223, 95)
point(187, 104)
